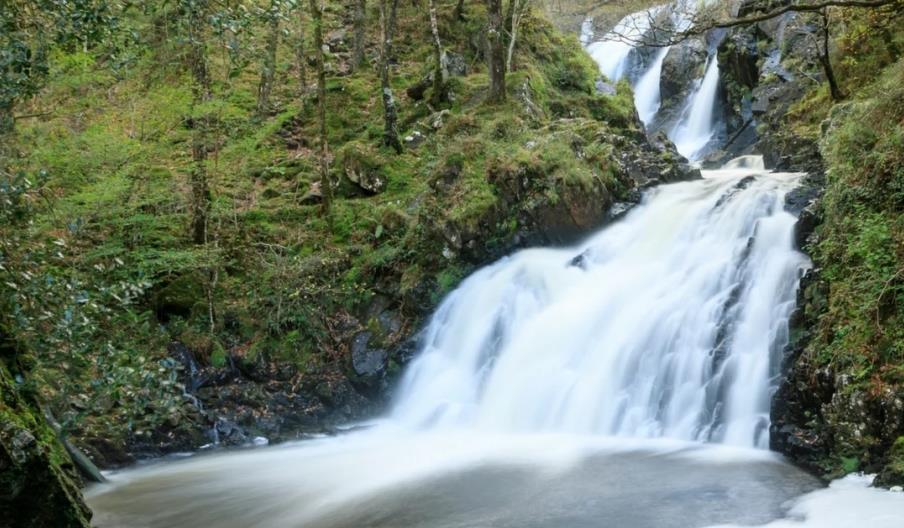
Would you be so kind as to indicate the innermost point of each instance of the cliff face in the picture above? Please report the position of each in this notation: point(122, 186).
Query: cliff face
point(841, 406)
point(38, 484)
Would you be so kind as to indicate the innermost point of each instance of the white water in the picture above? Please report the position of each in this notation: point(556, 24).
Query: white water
point(696, 129)
point(672, 325)
point(646, 92)
point(612, 52)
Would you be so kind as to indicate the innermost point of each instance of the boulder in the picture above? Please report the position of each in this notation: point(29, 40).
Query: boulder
point(683, 64)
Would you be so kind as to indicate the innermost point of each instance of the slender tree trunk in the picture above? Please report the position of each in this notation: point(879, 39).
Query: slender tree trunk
point(326, 187)
point(360, 18)
point(268, 69)
point(300, 53)
point(440, 71)
point(495, 52)
point(516, 8)
point(200, 188)
point(826, 60)
point(460, 10)
point(7, 121)
point(390, 115)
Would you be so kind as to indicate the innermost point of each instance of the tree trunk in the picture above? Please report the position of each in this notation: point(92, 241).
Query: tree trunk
point(326, 187)
point(200, 189)
point(360, 18)
point(495, 52)
point(268, 70)
point(826, 60)
point(300, 54)
point(516, 9)
point(440, 71)
point(460, 10)
point(390, 115)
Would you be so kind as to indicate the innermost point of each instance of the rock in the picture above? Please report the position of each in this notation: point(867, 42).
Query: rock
point(456, 64)
point(604, 87)
point(438, 119)
point(179, 297)
point(38, 483)
point(367, 361)
point(260, 441)
point(362, 170)
point(682, 66)
point(337, 40)
point(313, 196)
point(227, 432)
point(414, 139)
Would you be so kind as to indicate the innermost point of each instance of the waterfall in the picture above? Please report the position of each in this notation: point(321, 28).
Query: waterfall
point(612, 52)
point(696, 129)
point(669, 323)
point(646, 92)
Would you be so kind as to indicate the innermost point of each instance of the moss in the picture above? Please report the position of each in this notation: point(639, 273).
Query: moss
point(37, 479)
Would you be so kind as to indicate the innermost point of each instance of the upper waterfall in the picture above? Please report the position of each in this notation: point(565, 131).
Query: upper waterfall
point(694, 128)
point(668, 323)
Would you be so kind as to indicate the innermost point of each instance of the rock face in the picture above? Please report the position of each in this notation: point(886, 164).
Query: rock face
point(38, 483)
point(758, 90)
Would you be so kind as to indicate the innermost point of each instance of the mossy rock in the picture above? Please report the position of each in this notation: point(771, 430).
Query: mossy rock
point(38, 483)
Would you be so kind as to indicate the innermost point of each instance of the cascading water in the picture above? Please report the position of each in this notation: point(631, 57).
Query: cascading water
point(646, 92)
point(613, 51)
point(669, 323)
point(696, 129)
point(536, 380)
point(578, 387)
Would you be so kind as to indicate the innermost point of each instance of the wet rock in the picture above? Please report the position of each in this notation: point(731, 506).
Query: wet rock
point(367, 362)
point(682, 66)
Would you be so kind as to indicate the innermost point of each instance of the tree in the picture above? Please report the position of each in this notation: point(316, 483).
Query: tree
point(272, 15)
point(440, 68)
point(326, 187)
point(360, 17)
point(300, 55)
point(460, 10)
point(388, 10)
point(29, 29)
point(195, 30)
point(516, 11)
point(495, 51)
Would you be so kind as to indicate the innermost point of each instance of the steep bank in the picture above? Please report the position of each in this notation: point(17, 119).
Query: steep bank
point(841, 407)
point(39, 486)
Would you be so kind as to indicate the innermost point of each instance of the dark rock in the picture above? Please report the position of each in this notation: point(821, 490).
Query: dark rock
point(367, 362)
point(682, 66)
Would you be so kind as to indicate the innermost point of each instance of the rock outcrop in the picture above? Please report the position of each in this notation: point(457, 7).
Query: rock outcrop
point(39, 486)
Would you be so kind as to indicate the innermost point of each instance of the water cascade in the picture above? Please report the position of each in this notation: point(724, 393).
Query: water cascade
point(669, 323)
point(696, 129)
point(646, 92)
point(612, 53)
